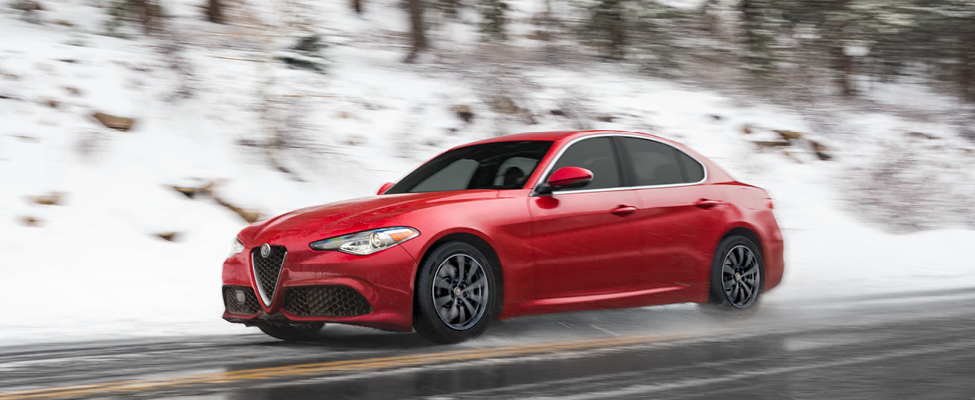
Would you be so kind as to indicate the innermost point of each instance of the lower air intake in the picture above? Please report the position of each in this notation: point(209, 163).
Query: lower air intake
point(325, 301)
point(240, 300)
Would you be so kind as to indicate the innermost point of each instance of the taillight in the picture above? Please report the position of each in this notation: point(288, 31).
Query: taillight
point(771, 204)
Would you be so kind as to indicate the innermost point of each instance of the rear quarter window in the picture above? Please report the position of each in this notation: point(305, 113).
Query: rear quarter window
point(654, 163)
point(695, 171)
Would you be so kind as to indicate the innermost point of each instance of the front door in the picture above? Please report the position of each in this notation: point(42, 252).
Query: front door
point(585, 240)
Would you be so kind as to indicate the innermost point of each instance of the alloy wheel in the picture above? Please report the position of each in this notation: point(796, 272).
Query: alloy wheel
point(460, 291)
point(740, 276)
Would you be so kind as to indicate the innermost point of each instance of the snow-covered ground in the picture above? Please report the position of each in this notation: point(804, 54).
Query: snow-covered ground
point(92, 266)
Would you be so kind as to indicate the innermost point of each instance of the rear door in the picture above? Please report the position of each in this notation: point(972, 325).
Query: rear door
point(585, 240)
point(676, 212)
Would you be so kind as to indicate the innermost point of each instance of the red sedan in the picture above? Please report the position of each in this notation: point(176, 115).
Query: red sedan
point(516, 225)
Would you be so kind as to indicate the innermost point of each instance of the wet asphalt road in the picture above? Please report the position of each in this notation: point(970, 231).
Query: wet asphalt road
point(909, 345)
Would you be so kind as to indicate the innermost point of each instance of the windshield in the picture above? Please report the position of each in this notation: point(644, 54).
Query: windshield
point(500, 165)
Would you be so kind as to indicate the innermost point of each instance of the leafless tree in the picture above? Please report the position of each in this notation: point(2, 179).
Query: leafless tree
point(149, 14)
point(967, 61)
point(418, 33)
point(836, 32)
point(215, 11)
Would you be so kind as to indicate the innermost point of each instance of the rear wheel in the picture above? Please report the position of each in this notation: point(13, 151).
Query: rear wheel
point(737, 275)
point(291, 331)
point(455, 294)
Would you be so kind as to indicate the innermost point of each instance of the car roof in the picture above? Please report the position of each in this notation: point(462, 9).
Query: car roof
point(544, 136)
point(548, 136)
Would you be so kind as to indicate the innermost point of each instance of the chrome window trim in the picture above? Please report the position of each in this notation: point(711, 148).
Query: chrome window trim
point(548, 168)
point(267, 300)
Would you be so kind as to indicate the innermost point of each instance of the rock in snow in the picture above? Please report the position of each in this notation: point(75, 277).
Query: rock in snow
point(118, 123)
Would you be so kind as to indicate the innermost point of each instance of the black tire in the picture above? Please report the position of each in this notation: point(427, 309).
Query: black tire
point(291, 331)
point(737, 276)
point(451, 306)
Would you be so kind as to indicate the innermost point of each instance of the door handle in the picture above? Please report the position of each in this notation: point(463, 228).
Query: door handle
point(623, 210)
point(706, 203)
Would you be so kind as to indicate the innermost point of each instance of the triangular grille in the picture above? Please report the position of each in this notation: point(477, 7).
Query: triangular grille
point(267, 270)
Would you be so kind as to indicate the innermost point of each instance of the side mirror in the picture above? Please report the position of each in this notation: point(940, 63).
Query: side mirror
point(385, 187)
point(566, 178)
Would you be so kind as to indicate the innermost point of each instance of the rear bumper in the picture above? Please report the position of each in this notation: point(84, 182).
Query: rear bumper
point(374, 291)
point(773, 253)
point(774, 259)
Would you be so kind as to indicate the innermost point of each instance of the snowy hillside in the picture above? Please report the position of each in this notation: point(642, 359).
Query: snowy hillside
point(96, 240)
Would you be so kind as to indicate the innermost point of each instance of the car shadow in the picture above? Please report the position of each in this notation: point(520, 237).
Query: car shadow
point(343, 337)
point(524, 330)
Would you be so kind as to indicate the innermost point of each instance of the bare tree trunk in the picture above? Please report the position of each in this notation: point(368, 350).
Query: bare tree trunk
point(418, 32)
point(758, 57)
point(357, 6)
point(967, 75)
point(215, 11)
point(617, 33)
point(752, 21)
point(842, 63)
point(147, 14)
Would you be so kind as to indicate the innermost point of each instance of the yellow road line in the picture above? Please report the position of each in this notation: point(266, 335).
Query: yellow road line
point(326, 367)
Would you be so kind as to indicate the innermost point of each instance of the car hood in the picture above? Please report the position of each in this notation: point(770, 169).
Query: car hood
point(351, 216)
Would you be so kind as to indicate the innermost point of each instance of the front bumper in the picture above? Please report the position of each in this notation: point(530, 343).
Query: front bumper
point(374, 290)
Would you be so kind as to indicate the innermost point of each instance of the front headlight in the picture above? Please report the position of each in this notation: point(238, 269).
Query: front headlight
point(235, 248)
point(367, 242)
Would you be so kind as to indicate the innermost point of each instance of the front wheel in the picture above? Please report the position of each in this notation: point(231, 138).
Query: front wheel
point(737, 275)
point(291, 331)
point(456, 294)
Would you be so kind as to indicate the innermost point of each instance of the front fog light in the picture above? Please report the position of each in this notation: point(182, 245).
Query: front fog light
point(240, 296)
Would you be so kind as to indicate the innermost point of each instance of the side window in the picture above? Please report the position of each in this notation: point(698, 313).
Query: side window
point(514, 171)
point(596, 155)
point(455, 176)
point(655, 163)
